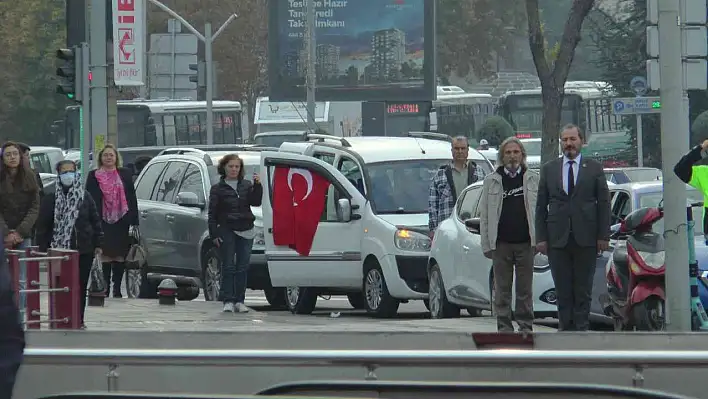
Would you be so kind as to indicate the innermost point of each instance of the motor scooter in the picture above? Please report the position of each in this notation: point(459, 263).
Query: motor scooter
point(635, 273)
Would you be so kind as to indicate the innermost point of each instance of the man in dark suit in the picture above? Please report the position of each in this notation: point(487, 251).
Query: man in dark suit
point(573, 226)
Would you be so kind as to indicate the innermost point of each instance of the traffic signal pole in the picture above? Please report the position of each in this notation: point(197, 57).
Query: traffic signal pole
point(99, 69)
point(85, 68)
point(674, 143)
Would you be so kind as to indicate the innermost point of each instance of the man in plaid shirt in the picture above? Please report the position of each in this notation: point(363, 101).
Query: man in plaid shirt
point(449, 182)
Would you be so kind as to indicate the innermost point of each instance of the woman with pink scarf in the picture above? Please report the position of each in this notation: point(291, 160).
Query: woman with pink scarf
point(111, 187)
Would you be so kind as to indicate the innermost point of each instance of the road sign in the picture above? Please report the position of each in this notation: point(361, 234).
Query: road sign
point(636, 105)
point(639, 85)
point(169, 59)
point(128, 52)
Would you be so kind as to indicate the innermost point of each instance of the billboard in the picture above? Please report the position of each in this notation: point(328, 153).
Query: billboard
point(366, 50)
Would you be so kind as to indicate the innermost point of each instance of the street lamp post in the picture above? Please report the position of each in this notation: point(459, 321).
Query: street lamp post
point(208, 39)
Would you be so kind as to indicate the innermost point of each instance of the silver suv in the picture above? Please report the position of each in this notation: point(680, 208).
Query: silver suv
point(173, 199)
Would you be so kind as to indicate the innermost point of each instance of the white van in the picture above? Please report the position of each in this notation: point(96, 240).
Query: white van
point(372, 240)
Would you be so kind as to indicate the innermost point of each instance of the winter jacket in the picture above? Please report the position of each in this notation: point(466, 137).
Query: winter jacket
point(233, 210)
point(87, 234)
point(18, 211)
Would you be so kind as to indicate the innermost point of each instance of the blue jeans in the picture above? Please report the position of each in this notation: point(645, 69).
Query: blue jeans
point(234, 273)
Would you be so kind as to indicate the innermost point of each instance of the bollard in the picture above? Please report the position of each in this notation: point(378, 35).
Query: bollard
point(64, 310)
point(167, 292)
point(32, 299)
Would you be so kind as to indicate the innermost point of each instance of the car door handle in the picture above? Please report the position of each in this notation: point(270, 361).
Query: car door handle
point(170, 218)
point(465, 248)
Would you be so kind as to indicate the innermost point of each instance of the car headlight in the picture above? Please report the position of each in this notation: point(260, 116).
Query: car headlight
point(408, 240)
point(259, 239)
point(540, 263)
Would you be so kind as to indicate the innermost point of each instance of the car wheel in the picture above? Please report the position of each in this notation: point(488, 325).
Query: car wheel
point(358, 300)
point(301, 300)
point(379, 301)
point(440, 307)
point(211, 274)
point(276, 298)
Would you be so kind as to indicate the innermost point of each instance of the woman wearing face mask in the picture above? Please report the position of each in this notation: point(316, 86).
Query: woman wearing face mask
point(68, 219)
point(111, 187)
point(19, 198)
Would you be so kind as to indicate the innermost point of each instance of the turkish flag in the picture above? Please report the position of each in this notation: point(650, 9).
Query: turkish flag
point(298, 203)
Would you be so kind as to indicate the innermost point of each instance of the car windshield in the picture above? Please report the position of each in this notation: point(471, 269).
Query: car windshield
point(692, 196)
point(533, 148)
point(402, 186)
point(640, 175)
point(277, 140)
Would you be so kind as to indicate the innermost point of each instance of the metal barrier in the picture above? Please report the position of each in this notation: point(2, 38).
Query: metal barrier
point(63, 287)
point(371, 360)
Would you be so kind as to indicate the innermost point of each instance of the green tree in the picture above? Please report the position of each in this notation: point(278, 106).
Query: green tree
point(31, 32)
point(553, 73)
point(470, 32)
point(495, 130)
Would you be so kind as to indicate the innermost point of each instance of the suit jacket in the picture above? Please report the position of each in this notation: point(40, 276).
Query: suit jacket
point(126, 175)
point(586, 212)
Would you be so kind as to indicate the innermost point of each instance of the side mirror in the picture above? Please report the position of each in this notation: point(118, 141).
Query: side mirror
point(615, 231)
point(189, 200)
point(472, 225)
point(344, 210)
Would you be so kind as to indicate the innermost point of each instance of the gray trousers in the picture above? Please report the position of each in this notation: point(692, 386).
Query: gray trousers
point(507, 259)
point(573, 271)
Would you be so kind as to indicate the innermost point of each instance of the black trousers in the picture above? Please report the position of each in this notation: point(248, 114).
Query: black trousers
point(117, 269)
point(85, 262)
point(573, 271)
point(12, 344)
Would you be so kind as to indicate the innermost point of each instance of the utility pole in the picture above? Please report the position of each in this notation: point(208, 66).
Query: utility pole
point(674, 143)
point(99, 69)
point(144, 88)
point(310, 77)
point(208, 39)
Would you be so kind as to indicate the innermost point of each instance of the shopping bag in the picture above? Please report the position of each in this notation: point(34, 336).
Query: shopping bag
point(97, 283)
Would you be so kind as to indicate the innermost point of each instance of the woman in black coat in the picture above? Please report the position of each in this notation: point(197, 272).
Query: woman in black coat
point(68, 219)
point(111, 187)
point(231, 228)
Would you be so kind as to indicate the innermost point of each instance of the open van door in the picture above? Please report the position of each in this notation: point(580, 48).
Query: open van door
point(335, 257)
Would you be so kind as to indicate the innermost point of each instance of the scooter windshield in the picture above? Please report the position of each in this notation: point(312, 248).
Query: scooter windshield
point(647, 242)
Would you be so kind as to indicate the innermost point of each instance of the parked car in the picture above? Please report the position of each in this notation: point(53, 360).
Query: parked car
point(632, 175)
point(275, 139)
point(45, 159)
point(461, 277)
point(173, 197)
point(372, 240)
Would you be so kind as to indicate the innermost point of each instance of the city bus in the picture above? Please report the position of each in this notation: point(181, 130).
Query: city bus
point(458, 113)
point(165, 122)
point(585, 103)
point(454, 112)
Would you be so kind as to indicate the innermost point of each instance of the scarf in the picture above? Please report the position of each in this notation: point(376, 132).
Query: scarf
point(66, 211)
point(114, 205)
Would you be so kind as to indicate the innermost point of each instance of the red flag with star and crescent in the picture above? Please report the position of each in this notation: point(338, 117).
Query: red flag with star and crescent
point(298, 202)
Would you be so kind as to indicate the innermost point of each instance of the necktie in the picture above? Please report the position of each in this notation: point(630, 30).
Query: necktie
point(571, 177)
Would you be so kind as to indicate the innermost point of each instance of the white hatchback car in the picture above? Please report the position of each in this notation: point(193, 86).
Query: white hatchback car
point(461, 276)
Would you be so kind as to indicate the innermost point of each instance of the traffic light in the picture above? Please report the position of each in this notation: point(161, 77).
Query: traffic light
point(69, 73)
point(199, 76)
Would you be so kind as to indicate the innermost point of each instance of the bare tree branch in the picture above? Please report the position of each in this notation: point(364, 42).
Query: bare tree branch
point(537, 41)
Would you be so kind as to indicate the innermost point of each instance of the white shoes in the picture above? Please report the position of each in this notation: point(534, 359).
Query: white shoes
point(235, 308)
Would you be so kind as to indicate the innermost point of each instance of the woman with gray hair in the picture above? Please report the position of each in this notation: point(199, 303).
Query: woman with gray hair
point(507, 216)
